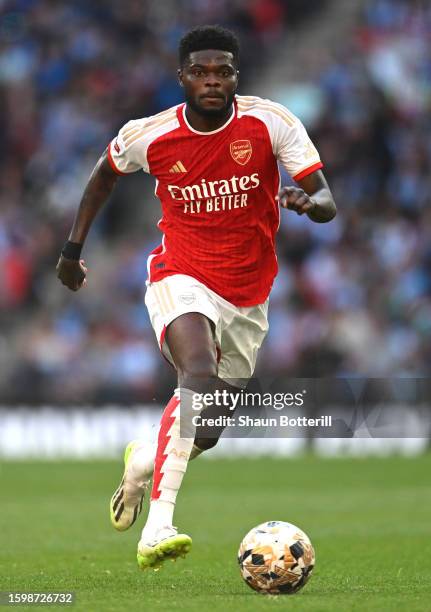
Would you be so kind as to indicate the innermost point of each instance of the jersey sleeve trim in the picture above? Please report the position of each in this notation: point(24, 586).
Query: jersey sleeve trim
point(112, 163)
point(308, 171)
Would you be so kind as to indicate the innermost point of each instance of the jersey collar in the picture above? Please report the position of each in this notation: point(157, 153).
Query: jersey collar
point(181, 113)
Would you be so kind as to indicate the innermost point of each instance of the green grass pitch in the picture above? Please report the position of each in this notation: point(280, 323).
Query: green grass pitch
point(369, 520)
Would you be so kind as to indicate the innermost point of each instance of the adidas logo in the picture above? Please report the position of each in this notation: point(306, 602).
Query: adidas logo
point(178, 167)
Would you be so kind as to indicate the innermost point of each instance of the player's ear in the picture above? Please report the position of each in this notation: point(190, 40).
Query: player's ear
point(180, 76)
point(237, 79)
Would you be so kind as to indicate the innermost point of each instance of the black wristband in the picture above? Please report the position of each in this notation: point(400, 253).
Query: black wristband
point(72, 250)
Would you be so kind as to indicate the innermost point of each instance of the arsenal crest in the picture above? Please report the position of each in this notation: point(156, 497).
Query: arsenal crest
point(241, 151)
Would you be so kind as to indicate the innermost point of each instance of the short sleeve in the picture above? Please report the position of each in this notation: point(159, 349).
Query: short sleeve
point(127, 152)
point(294, 149)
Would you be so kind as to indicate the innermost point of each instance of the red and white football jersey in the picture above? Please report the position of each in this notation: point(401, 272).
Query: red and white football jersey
point(217, 191)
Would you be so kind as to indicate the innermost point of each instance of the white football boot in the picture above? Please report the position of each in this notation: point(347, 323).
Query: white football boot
point(126, 503)
point(164, 544)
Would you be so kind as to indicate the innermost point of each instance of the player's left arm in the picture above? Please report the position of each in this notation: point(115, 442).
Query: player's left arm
point(313, 197)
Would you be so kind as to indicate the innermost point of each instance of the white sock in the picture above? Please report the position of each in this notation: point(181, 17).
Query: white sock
point(160, 515)
point(161, 512)
point(141, 468)
point(173, 452)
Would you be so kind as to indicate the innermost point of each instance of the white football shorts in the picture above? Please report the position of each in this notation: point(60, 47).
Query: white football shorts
point(239, 330)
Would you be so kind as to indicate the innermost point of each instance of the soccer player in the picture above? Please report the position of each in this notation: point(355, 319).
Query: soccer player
point(214, 159)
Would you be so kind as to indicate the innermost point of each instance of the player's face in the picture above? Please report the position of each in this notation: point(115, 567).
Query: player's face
point(210, 79)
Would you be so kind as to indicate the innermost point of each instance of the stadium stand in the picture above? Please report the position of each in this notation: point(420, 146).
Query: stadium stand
point(351, 297)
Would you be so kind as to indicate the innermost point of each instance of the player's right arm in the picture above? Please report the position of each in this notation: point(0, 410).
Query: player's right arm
point(70, 268)
point(124, 155)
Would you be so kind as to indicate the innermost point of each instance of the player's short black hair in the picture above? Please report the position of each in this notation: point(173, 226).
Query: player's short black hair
point(208, 37)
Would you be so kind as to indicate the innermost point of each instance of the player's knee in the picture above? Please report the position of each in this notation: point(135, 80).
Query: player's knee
point(199, 368)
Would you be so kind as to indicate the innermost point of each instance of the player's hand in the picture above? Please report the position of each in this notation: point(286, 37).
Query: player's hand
point(296, 199)
point(72, 272)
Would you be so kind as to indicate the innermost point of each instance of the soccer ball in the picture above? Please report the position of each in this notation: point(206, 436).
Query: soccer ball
point(275, 558)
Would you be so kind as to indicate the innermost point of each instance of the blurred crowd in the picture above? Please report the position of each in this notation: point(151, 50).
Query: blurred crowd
point(352, 297)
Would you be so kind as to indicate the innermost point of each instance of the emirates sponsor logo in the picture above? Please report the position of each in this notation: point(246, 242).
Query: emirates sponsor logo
point(211, 189)
point(241, 151)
